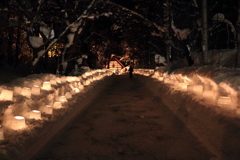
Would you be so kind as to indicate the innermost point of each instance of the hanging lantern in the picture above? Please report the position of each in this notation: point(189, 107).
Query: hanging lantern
point(35, 90)
point(26, 92)
point(57, 105)
point(18, 122)
point(46, 86)
point(35, 114)
point(48, 109)
point(198, 89)
point(6, 95)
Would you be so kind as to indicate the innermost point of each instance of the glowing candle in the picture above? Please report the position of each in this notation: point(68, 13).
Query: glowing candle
point(26, 92)
point(18, 122)
point(35, 114)
point(48, 109)
point(46, 86)
point(6, 95)
point(1, 133)
point(35, 90)
point(57, 105)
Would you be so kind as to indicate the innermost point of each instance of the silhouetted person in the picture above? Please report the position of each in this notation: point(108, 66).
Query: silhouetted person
point(130, 71)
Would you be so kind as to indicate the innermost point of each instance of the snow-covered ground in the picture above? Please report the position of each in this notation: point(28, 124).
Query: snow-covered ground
point(206, 99)
point(30, 107)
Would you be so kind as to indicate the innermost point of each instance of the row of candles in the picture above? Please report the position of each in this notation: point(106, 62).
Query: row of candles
point(75, 83)
point(204, 88)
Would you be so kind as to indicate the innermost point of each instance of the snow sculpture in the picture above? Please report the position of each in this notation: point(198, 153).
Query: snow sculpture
point(35, 41)
point(46, 86)
point(57, 105)
point(18, 122)
point(6, 95)
point(35, 114)
point(35, 90)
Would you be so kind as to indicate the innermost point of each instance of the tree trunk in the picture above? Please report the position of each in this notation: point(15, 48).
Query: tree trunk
point(205, 33)
point(238, 38)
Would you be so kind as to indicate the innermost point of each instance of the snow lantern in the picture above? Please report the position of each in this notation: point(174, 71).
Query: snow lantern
point(209, 95)
point(18, 122)
point(68, 95)
point(46, 86)
point(35, 90)
point(53, 82)
point(198, 89)
point(238, 111)
point(75, 90)
point(35, 114)
point(48, 109)
point(62, 99)
point(63, 79)
point(160, 79)
point(1, 133)
point(6, 95)
point(224, 101)
point(58, 80)
point(57, 105)
point(183, 86)
point(26, 92)
point(86, 82)
point(190, 88)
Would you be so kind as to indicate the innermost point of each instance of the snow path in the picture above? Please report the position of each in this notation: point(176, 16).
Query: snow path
point(127, 121)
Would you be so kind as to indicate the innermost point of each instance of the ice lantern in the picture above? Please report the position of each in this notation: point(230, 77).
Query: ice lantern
point(26, 92)
point(18, 122)
point(36, 90)
point(46, 86)
point(6, 95)
point(57, 105)
point(48, 109)
point(35, 114)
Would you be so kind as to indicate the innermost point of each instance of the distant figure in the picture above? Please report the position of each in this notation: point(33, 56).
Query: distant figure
point(130, 71)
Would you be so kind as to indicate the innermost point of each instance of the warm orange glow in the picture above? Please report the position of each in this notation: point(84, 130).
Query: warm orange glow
point(68, 95)
point(224, 101)
point(6, 95)
point(18, 122)
point(62, 99)
point(35, 90)
point(46, 86)
point(48, 109)
point(53, 82)
point(35, 114)
point(1, 133)
point(26, 92)
point(57, 105)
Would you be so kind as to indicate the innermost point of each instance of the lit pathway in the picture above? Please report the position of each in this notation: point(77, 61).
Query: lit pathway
point(127, 122)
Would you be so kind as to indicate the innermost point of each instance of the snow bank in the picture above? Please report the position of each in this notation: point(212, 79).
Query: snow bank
point(34, 108)
point(206, 99)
